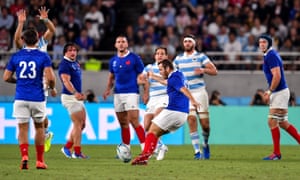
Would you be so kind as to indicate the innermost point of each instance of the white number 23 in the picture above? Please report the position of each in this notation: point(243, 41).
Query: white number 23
point(28, 69)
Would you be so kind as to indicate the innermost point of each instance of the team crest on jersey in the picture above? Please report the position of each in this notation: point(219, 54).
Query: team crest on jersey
point(114, 64)
point(127, 62)
point(194, 59)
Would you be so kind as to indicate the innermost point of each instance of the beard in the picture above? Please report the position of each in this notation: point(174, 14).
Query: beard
point(189, 49)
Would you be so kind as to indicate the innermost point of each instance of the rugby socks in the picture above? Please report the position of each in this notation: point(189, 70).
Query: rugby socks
point(39, 152)
point(276, 140)
point(77, 150)
point(205, 135)
point(23, 149)
point(293, 132)
point(125, 135)
point(195, 141)
point(69, 144)
point(150, 144)
point(140, 133)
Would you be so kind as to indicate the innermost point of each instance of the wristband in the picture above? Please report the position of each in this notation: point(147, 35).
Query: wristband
point(45, 20)
point(269, 91)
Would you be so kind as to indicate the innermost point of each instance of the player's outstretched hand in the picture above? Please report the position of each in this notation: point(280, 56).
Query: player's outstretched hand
point(43, 12)
point(21, 16)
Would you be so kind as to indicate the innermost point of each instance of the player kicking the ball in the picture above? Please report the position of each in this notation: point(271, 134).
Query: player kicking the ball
point(173, 116)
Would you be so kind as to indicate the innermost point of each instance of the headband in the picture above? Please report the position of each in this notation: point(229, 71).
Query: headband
point(189, 39)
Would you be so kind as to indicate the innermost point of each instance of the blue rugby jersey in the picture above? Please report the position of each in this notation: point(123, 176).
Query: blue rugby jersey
point(155, 88)
point(272, 60)
point(29, 64)
point(187, 63)
point(177, 100)
point(73, 69)
point(125, 70)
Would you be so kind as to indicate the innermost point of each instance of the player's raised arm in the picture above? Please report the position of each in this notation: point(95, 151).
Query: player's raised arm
point(18, 34)
point(50, 26)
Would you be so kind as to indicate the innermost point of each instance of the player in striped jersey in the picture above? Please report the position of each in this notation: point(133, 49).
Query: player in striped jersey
point(158, 98)
point(194, 65)
point(42, 45)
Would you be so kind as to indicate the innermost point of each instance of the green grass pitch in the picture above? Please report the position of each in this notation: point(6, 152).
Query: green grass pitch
point(227, 162)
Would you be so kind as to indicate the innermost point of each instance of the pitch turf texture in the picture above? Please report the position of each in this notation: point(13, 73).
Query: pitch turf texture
point(227, 162)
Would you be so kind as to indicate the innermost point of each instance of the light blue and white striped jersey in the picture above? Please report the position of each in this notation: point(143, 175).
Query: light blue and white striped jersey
point(155, 88)
point(187, 63)
point(42, 44)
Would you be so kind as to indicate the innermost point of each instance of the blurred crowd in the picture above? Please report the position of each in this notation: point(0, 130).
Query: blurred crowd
point(220, 25)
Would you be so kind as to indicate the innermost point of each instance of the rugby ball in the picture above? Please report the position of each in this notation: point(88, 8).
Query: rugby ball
point(124, 153)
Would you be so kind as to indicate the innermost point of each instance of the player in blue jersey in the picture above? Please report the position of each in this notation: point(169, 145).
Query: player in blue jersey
point(174, 115)
point(125, 68)
point(30, 65)
point(72, 99)
point(42, 45)
point(277, 95)
point(194, 65)
point(158, 98)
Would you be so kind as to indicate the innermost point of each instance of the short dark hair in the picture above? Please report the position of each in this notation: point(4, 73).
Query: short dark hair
point(166, 63)
point(30, 36)
point(163, 48)
point(122, 36)
point(70, 44)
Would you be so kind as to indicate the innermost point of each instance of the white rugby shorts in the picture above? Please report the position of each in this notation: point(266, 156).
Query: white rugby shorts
point(24, 110)
point(201, 97)
point(71, 103)
point(125, 102)
point(169, 120)
point(280, 99)
point(156, 102)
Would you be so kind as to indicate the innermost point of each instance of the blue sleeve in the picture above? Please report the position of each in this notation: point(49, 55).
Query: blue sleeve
point(64, 68)
point(10, 65)
point(273, 60)
point(139, 65)
point(48, 62)
point(110, 65)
